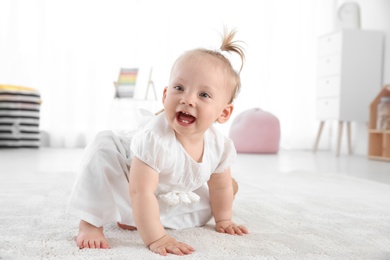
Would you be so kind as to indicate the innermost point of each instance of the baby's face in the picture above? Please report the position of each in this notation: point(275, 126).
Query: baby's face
point(198, 95)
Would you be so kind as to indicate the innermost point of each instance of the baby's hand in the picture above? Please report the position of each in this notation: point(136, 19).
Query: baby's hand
point(168, 244)
point(227, 226)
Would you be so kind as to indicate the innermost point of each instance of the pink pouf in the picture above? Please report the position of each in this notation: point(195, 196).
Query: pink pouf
point(255, 131)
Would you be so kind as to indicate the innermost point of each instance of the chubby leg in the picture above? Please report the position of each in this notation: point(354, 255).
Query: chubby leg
point(100, 194)
point(91, 237)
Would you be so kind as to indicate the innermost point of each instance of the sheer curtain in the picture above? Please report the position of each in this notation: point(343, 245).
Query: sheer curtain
point(71, 51)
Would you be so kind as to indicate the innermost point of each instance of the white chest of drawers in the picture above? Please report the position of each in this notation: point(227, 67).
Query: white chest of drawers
point(349, 75)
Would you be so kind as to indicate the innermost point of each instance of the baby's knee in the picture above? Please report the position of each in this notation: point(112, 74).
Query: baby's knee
point(103, 146)
point(105, 140)
point(105, 150)
point(104, 136)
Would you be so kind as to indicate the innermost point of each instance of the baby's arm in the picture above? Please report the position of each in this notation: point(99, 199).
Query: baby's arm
point(221, 199)
point(143, 184)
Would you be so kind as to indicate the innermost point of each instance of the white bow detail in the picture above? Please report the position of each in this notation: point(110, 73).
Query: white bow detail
point(177, 197)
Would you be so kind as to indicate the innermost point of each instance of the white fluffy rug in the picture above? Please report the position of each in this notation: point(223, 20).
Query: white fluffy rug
point(295, 215)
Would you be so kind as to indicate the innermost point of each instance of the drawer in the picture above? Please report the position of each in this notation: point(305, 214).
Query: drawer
point(328, 87)
point(330, 44)
point(328, 108)
point(329, 65)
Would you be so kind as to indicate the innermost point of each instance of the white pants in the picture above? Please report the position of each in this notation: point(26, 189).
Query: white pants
point(101, 192)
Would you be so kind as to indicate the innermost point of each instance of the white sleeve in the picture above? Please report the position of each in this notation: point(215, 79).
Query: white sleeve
point(147, 147)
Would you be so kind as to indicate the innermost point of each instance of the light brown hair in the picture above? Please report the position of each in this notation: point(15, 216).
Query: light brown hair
point(230, 46)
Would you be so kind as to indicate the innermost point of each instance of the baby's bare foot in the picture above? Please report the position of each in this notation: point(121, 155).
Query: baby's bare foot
point(131, 228)
point(91, 237)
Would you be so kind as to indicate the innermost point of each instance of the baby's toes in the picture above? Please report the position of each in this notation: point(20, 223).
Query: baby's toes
point(104, 244)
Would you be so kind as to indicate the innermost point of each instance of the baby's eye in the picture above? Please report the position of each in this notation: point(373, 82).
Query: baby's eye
point(178, 88)
point(204, 95)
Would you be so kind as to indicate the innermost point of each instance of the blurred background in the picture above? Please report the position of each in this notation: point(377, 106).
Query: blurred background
point(71, 51)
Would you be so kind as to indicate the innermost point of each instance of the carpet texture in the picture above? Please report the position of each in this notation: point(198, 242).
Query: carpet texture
point(295, 215)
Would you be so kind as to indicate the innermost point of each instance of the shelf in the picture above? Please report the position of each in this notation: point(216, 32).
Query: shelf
point(375, 131)
point(378, 140)
point(379, 158)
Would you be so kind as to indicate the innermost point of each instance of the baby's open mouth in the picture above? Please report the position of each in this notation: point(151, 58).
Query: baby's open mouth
point(185, 118)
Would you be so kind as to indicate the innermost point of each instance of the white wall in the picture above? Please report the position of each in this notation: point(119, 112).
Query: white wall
point(72, 51)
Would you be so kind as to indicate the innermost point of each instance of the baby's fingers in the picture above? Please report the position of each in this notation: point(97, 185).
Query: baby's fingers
point(228, 230)
point(240, 230)
point(186, 249)
point(243, 229)
point(180, 249)
point(174, 250)
point(233, 230)
point(161, 251)
point(220, 230)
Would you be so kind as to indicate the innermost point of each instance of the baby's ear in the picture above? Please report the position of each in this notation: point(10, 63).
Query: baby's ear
point(226, 113)
point(164, 94)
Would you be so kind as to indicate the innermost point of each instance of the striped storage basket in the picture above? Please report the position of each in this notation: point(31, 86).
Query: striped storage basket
point(19, 117)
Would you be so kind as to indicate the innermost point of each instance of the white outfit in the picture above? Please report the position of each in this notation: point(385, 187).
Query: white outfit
point(101, 192)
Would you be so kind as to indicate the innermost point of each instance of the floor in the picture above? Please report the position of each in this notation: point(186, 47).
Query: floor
point(322, 162)
point(67, 160)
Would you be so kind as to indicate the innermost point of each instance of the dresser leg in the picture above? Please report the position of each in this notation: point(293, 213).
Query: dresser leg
point(349, 137)
point(339, 135)
point(318, 136)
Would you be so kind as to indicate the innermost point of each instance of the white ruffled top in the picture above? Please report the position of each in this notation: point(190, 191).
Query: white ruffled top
point(155, 144)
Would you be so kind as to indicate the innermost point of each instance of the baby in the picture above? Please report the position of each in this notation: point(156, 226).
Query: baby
point(174, 171)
